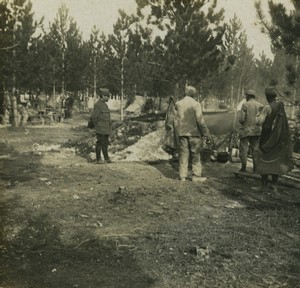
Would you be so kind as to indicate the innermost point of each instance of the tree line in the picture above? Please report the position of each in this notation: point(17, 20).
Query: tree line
point(156, 51)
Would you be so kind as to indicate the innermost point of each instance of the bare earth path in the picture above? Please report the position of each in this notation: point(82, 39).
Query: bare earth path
point(65, 222)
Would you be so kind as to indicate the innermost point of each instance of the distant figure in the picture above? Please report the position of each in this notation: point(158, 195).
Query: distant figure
point(69, 103)
point(275, 142)
point(62, 99)
point(7, 107)
point(249, 132)
point(36, 101)
point(101, 120)
point(170, 137)
point(190, 127)
point(22, 106)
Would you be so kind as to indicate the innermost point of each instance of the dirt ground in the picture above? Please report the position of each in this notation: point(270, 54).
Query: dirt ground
point(66, 222)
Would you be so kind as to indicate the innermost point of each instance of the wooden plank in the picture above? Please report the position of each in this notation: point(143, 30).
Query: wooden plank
point(281, 181)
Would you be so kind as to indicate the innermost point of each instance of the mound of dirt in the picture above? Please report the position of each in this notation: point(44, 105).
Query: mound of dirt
point(148, 148)
point(124, 135)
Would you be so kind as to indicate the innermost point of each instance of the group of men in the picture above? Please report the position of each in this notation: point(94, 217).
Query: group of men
point(265, 128)
point(18, 105)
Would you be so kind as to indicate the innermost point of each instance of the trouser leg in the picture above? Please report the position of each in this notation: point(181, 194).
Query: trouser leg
point(254, 144)
point(22, 115)
point(104, 147)
point(195, 147)
point(264, 180)
point(98, 148)
point(183, 156)
point(274, 182)
point(243, 151)
point(274, 178)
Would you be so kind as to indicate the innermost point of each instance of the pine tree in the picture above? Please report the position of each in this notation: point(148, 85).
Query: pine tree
point(67, 55)
point(17, 28)
point(192, 41)
point(284, 32)
point(236, 71)
point(120, 41)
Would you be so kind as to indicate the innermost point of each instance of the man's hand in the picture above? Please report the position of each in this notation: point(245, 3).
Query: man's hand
point(209, 140)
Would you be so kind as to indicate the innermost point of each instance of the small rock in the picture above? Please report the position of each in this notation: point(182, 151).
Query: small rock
point(122, 189)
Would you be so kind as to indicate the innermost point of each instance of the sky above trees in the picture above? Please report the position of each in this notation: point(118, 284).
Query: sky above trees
point(103, 14)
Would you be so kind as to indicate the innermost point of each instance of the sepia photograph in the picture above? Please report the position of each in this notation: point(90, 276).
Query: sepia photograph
point(149, 143)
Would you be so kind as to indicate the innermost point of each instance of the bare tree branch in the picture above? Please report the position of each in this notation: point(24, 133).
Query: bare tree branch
point(10, 47)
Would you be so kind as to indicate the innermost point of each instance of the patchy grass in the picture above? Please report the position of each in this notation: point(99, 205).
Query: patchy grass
point(69, 223)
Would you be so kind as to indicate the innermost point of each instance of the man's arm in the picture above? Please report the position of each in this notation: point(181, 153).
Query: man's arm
point(242, 114)
point(200, 121)
point(261, 117)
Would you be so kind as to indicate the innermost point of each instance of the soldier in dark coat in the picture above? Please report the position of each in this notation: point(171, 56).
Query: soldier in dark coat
point(275, 141)
point(101, 120)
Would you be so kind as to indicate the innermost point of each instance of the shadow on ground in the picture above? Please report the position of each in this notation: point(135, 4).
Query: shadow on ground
point(168, 168)
point(285, 198)
point(37, 258)
point(16, 167)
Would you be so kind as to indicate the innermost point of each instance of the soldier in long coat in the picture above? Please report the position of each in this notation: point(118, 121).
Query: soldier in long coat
point(102, 123)
point(275, 157)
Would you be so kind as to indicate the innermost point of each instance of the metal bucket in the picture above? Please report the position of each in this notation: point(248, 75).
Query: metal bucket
point(205, 155)
point(223, 157)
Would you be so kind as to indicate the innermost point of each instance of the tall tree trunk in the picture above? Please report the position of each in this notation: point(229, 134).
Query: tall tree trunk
point(295, 88)
point(54, 88)
point(179, 89)
point(238, 99)
point(95, 76)
point(63, 73)
point(122, 87)
point(15, 120)
point(231, 91)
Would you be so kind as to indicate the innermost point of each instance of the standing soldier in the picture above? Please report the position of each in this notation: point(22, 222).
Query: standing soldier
point(22, 106)
point(249, 132)
point(191, 128)
point(102, 124)
point(275, 145)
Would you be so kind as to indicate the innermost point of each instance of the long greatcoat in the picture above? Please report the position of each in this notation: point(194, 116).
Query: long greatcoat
point(101, 118)
point(275, 141)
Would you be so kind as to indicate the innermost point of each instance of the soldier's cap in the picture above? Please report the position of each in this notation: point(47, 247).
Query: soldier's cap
point(190, 91)
point(104, 91)
point(250, 92)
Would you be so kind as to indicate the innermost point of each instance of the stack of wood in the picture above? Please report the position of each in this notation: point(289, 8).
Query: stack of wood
point(294, 125)
point(296, 159)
